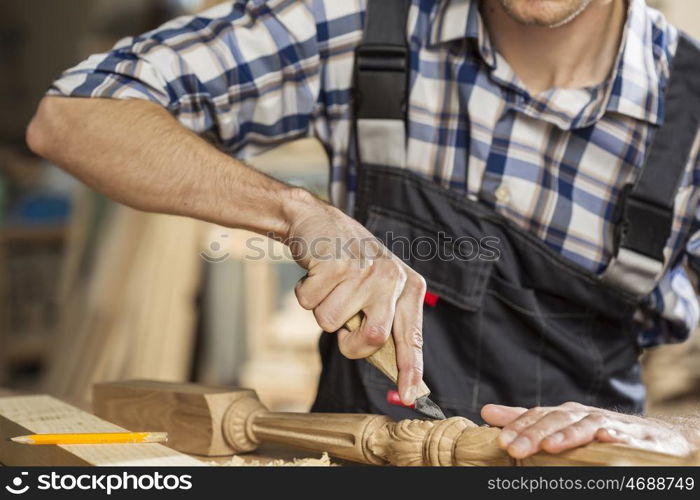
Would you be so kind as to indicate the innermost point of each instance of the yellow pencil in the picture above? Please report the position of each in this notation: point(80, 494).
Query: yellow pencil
point(93, 438)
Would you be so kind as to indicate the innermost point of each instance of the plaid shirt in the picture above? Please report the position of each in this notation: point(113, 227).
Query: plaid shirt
point(256, 73)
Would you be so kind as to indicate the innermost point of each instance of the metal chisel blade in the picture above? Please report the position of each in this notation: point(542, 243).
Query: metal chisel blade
point(425, 406)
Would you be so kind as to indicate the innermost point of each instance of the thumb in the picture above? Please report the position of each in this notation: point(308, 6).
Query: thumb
point(499, 415)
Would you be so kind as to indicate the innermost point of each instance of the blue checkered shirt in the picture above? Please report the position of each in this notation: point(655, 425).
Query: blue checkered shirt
point(257, 73)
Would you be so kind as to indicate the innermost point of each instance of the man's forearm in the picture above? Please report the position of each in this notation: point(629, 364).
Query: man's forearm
point(136, 153)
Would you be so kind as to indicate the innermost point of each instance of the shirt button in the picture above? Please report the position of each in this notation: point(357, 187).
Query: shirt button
point(502, 194)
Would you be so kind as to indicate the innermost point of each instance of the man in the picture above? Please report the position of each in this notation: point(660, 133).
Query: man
point(564, 130)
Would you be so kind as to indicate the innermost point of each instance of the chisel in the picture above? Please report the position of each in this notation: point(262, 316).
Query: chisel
point(385, 361)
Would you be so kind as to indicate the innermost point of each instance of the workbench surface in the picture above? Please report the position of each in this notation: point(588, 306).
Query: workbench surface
point(265, 455)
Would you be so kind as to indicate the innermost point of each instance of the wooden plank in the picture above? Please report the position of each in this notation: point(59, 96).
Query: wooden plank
point(44, 414)
point(134, 314)
point(89, 312)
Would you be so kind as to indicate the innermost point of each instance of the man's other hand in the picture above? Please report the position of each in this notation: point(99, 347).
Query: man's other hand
point(558, 428)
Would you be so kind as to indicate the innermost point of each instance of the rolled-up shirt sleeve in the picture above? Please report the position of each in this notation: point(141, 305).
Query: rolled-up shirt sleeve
point(248, 71)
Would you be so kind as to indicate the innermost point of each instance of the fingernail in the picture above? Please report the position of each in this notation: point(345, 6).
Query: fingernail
point(506, 437)
point(612, 433)
point(521, 446)
point(556, 438)
point(409, 397)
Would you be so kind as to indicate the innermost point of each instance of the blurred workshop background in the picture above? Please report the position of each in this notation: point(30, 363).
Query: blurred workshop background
point(91, 290)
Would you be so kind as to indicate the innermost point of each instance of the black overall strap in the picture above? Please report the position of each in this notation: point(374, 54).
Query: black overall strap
point(646, 208)
point(381, 84)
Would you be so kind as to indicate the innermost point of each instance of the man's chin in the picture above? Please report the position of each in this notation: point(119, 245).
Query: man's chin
point(546, 13)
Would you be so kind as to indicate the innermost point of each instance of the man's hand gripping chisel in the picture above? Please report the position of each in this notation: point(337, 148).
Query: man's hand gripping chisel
point(385, 361)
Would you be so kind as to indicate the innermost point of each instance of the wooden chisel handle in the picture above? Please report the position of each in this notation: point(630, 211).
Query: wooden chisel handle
point(385, 358)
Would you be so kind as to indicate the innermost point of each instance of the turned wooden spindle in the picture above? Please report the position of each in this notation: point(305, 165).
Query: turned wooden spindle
point(217, 421)
point(247, 423)
point(459, 442)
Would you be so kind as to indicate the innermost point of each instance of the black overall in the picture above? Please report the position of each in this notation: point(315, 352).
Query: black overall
point(517, 323)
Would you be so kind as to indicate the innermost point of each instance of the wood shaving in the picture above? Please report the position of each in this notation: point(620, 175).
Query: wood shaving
point(237, 461)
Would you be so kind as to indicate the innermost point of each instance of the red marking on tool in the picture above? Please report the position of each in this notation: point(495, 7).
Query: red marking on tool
point(393, 398)
point(431, 299)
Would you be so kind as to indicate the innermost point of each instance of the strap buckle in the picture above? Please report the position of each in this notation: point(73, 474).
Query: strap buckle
point(382, 57)
point(381, 81)
point(640, 238)
point(644, 227)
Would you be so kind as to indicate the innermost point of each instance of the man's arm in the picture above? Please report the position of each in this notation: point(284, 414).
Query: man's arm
point(136, 153)
point(221, 71)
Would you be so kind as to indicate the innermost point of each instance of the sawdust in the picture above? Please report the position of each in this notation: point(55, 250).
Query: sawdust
point(237, 461)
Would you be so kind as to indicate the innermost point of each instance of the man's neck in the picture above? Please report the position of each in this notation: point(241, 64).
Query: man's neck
point(580, 53)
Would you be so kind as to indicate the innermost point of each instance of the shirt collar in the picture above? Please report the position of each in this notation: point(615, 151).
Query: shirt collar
point(460, 19)
point(636, 86)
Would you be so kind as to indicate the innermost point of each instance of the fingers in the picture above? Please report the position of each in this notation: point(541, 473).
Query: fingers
point(499, 415)
point(544, 432)
point(312, 289)
point(611, 436)
point(374, 290)
point(510, 437)
point(338, 307)
point(512, 430)
point(571, 425)
point(565, 427)
point(408, 337)
point(372, 334)
point(389, 294)
point(553, 429)
point(582, 432)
